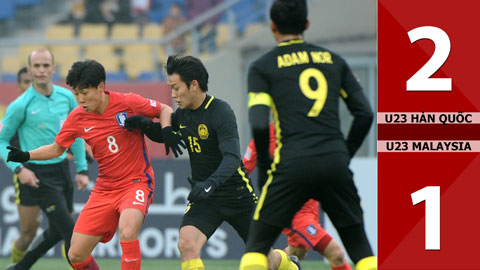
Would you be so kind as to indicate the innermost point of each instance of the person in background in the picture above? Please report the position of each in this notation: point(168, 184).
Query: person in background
point(207, 30)
point(37, 116)
point(28, 210)
point(175, 19)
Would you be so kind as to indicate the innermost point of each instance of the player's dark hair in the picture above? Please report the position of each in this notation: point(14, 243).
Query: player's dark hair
point(188, 68)
point(290, 16)
point(20, 72)
point(85, 74)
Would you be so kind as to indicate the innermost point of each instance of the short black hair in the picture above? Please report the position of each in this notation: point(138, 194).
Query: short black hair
point(188, 68)
point(85, 74)
point(290, 16)
point(20, 72)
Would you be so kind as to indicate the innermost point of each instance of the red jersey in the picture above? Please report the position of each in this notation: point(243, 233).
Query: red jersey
point(121, 154)
point(250, 157)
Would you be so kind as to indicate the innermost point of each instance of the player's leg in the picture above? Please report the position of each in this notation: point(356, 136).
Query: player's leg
point(306, 233)
point(299, 244)
point(339, 199)
point(130, 224)
point(261, 238)
point(190, 243)
point(335, 256)
point(239, 216)
point(29, 221)
point(301, 253)
point(28, 212)
point(39, 247)
point(279, 201)
point(81, 249)
point(97, 222)
point(68, 193)
point(133, 208)
point(199, 222)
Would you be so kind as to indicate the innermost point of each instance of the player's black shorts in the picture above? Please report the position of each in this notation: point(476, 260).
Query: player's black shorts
point(55, 182)
point(207, 215)
point(325, 178)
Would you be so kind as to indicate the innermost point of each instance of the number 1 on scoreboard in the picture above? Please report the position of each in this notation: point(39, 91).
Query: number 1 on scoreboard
point(431, 196)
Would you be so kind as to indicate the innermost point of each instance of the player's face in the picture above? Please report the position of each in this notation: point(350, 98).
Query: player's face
point(90, 98)
point(25, 81)
point(41, 67)
point(180, 92)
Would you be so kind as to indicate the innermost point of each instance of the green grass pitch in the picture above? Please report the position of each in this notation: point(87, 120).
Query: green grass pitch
point(150, 264)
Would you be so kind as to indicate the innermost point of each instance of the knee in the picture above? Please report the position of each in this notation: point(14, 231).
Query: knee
point(336, 256)
point(76, 257)
point(128, 233)
point(187, 248)
point(28, 235)
point(300, 253)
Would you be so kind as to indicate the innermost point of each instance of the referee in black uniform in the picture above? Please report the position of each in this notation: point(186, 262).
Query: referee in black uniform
point(221, 190)
point(302, 84)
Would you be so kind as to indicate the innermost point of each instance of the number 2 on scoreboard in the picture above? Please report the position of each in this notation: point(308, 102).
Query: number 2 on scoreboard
point(431, 196)
point(421, 80)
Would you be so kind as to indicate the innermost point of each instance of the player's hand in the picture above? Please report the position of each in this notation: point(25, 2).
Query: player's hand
point(27, 177)
point(173, 141)
point(82, 181)
point(137, 122)
point(17, 155)
point(201, 190)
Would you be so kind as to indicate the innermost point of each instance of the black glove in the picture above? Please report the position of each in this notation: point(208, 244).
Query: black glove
point(173, 141)
point(138, 122)
point(153, 130)
point(201, 190)
point(17, 155)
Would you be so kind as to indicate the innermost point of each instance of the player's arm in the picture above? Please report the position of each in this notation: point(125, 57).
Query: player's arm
point(259, 104)
point(45, 152)
point(151, 108)
point(165, 115)
point(225, 126)
point(358, 105)
point(10, 124)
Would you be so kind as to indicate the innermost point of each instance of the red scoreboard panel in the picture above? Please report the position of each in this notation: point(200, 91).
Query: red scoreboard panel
point(428, 134)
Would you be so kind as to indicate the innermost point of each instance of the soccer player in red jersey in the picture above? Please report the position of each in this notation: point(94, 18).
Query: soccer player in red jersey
point(125, 183)
point(305, 232)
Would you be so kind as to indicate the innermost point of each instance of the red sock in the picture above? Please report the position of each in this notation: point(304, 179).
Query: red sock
point(131, 257)
point(88, 264)
point(344, 266)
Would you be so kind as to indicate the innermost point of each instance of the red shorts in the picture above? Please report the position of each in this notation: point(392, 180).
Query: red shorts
point(101, 213)
point(306, 233)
